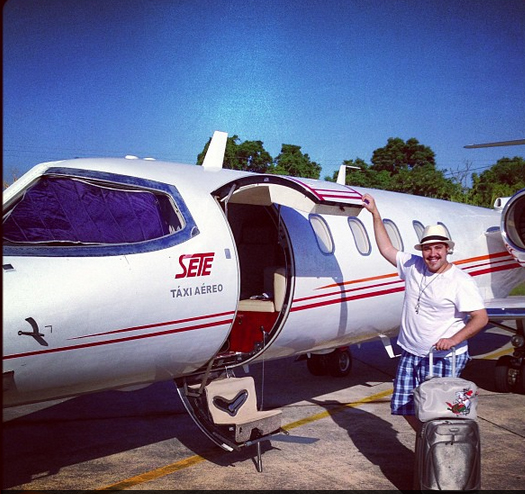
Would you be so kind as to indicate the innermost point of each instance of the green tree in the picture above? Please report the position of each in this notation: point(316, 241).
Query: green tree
point(503, 179)
point(400, 166)
point(361, 174)
point(253, 157)
point(398, 155)
point(425, 180)
point(291, 161)
point(412, 169)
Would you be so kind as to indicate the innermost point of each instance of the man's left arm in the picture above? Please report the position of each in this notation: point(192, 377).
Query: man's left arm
point(477, 321)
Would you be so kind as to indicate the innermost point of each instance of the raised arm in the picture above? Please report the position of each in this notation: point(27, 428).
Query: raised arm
point(388, 251)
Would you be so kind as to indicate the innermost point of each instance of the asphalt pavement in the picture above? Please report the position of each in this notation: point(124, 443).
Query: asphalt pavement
point(341, 434)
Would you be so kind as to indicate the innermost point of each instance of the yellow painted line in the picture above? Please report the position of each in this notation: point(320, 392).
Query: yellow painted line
point(496, 354)
point(337, 409)
point(194, 460)
point(153, 474)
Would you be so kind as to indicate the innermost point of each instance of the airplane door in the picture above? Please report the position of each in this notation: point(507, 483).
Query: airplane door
point(252, 206)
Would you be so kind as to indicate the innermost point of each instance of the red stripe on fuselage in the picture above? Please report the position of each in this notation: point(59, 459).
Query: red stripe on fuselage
point(492, 267)
point(121, 340)
point(156, 325)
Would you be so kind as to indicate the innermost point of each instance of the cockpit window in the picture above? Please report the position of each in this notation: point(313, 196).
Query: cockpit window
point(62, 211)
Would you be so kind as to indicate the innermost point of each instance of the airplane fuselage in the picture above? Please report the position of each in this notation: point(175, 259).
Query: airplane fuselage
point(87, 315)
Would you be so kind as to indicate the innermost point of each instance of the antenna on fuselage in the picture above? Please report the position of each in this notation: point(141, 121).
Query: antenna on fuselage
point(215, 154)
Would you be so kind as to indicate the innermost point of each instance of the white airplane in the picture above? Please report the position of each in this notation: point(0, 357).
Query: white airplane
point(122, 272)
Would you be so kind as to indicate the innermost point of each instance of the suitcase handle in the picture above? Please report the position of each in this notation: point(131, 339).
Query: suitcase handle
point(431, 361)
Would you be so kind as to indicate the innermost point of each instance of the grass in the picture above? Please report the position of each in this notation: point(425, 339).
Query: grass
point(519, 290)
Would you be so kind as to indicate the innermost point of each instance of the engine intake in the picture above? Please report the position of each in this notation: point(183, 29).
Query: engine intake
point(513, 226)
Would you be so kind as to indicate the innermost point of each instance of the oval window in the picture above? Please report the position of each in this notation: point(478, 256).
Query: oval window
point(322, 234)
point(445, 227)
point(419, 228)
point(393, 233)
point(362, 242)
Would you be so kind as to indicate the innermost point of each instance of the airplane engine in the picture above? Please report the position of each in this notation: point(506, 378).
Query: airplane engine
point(513, 226)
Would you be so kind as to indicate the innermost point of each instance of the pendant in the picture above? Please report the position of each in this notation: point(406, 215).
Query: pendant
point(417, 308)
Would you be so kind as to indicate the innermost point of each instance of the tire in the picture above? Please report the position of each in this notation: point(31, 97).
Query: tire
point(339, 362)
point(502, 378)
point(316, 365)
point(520, 381)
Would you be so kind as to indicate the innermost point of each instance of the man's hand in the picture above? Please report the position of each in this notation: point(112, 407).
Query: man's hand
point(445, 344)
point(369, 203)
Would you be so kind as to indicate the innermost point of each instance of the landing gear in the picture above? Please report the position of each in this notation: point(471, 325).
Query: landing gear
point(509, 376)
point(505, 375)
point(337, 363)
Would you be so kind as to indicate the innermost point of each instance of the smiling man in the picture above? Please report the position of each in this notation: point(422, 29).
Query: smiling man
point(442, 308)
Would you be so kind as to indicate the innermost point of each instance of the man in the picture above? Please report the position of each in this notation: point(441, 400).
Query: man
point(442, 308)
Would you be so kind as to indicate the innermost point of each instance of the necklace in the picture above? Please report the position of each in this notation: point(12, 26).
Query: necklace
point(423, 288)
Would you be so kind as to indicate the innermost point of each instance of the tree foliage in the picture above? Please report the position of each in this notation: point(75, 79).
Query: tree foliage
point(400, 166)
point(251, 156)
point(505, 178)
point(408, 167)
point(293, 162)
point(399, 155)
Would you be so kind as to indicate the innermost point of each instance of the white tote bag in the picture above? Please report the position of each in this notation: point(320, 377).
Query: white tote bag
point(445, 397)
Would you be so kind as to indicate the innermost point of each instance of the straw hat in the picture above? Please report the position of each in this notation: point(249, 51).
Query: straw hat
point(435, 234)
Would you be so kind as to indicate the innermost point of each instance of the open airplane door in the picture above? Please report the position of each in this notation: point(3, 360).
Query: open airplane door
point(252, 205)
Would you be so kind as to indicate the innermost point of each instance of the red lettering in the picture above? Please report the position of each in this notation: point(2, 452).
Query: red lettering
point(181, 259)
point(193, 266)
point(196, 265)
point(206, 265)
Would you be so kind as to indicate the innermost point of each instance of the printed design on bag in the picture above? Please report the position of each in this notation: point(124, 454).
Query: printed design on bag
point(463, 402)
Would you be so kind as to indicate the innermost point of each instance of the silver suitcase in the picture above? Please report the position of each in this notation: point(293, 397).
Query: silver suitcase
point(448, 456)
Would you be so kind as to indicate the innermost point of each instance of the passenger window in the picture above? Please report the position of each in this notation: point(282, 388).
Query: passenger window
point(393, 233)
point(362, 242)
point(322, 234)
point(445, 227)
point(419, 228)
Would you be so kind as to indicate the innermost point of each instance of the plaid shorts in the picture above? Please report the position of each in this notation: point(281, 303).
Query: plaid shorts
point(412, 371)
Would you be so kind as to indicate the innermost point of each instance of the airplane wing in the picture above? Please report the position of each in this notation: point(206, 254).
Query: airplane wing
point(509, 371)
point(516, 142)
point(504, 309)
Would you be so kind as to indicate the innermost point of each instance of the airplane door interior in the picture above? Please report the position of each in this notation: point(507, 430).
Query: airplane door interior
point(265, 265)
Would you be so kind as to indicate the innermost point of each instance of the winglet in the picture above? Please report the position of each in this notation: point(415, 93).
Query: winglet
point(341, 176)
point(215, 154)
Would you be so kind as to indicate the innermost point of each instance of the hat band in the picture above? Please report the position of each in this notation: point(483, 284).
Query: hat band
point(435, 237)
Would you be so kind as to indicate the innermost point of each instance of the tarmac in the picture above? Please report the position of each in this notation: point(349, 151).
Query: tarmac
point(341, 434)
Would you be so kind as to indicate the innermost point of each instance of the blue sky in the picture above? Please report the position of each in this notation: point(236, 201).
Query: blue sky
point(155, 78)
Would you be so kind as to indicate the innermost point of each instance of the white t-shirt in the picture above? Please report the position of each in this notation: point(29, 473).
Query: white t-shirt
point(444, 302)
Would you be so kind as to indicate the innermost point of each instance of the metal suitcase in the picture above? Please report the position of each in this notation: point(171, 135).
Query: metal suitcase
point(448, 455)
